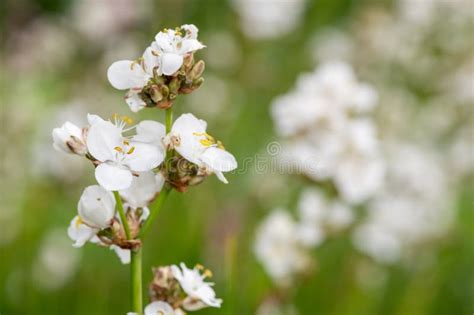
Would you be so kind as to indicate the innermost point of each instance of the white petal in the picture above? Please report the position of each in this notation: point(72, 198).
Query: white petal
point(134, 101)
point(142, 190)
point(96, 207)
point(127, 74)
point(221, 177)
point(150, 131)
point(145, 157)
point(150, 61)
point(170, 63)
point(219, 160)
point(123, 254)
point(102, 138)
point(64, 134)
point(190, 45)
point(190, 132)
point(191, 31)
point(92, 119)
point(112, 177)
point(159, 308)
point(79, 232)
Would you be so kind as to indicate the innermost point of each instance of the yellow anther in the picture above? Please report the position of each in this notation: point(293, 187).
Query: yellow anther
point(78, 221)
point(131, 150)
point(199, 267)
point(127, 120)
point(115, 116)
point(126, 142)
point(207, 273)
point(206, 142)
point(118, 149)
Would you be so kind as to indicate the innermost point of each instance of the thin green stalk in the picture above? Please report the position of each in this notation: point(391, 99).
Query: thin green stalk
point(169, 119)
point(122, 215)
point(154, 210)
point(136, 278)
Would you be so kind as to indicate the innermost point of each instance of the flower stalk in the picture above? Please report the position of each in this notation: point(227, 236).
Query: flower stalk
point(136, 279)
point(122, 215)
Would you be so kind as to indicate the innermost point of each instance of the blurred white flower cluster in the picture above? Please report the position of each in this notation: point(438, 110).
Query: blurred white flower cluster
point(328, 132)
point(410, 210)
point(283, 244)
point(399, 176)
point(262, 19)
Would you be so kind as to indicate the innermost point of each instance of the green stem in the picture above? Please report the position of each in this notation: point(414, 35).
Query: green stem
point(136, 278)
point(154, 210)
point(169, 119)
point(123, 217)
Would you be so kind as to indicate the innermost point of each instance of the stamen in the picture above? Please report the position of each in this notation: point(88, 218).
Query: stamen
point(207, 273)
point(206, 142)
point(126, 142)
point(78, 222)
point(118, 149)
point(131, 150)
point(199, 267)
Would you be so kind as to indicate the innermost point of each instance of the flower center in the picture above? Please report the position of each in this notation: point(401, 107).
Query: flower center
point(125, 149)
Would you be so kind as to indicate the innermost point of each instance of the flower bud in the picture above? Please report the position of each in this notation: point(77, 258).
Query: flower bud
point(96, 207)
point(197, 70)
point(174, 85)
point(155, 93)
point(198, 82)
point(68, 138)
point(188, 61)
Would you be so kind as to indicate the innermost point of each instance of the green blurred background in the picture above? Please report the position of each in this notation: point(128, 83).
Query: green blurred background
point(55, 54)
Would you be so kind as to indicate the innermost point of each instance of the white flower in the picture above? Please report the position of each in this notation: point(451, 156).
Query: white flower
point(123, 254)
point(68, 138)
point(200, 293)
point(96, 207)
point(171, 47)
point(279, 249)
point(159, 308)
point(119, 156)
point(189, 138)
point(133, 76)
point(80, 233)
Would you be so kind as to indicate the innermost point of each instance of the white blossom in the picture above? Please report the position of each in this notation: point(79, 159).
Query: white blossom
point(189, 138)
point(279, 248)
point(120, 157)
point(68, 138)
point(172, 45)
point(133, 76)
point(96, 207)
point(81, 233)
point(200, 293)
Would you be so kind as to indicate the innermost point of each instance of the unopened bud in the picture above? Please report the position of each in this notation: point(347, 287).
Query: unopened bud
point(165, 91)
point(174, 85)
point(155, 93)
point(197, 70)
point(197, 83)
point(188, 61)
point(68, 138)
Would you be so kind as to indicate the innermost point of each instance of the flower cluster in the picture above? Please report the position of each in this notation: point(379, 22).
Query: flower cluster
point(177, 289)
point(329, 135)
point(136, 164)
point(282, 244)
point(166, 69)
point(411, 209)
